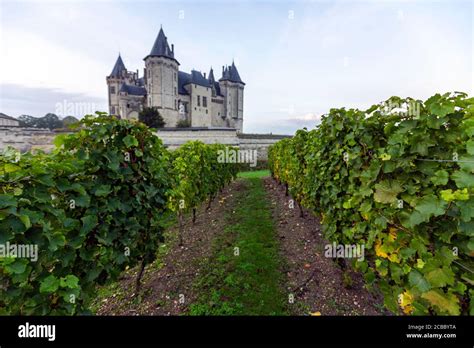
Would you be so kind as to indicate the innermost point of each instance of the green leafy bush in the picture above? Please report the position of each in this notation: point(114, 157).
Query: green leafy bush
point(401, 182)
point(198, 175)
point(93, 207)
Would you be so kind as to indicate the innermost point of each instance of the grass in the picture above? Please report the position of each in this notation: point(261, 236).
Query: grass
point(257, 174)
point(249, 283)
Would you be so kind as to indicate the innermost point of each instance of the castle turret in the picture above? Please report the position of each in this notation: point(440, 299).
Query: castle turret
point(232, 88)
point(162, 79)
point(212, 82)
point(114, 82)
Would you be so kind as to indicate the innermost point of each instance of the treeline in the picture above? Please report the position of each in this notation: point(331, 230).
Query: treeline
point(94, 207)
point(397, 178)
point(50, 121)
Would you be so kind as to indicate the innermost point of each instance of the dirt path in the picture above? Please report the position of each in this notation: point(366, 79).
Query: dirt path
point(168, 283)
point(316, 281)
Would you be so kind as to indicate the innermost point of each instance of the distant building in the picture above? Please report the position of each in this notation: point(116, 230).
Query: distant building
point(8, 121)
point(178, 96)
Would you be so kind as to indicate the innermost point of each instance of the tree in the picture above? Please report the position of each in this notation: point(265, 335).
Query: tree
point(151, 117)
point(50, 121)
point(69, 120)
point(183, 124)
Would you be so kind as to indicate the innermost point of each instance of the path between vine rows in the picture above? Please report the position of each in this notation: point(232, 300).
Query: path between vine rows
point(201, 275)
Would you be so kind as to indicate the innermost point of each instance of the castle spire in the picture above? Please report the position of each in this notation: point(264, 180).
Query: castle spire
point(161, 47)
point(211, 76)
point(230, 73)
point(118, 67)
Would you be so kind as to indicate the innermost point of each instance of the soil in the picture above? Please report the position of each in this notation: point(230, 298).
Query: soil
point(316, 282)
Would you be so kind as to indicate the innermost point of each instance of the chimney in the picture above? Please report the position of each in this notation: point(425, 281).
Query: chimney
point(222, 70)
point(204, 75)
point(172, 48)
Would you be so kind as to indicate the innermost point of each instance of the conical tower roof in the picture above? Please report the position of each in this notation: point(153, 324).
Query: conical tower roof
point(118, 68)
point(230, 73)
point(161, 47)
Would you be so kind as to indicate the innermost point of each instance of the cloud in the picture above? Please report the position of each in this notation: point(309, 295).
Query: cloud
point(16, 100)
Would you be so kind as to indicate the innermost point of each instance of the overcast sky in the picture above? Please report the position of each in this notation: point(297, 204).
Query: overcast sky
point(298, 59)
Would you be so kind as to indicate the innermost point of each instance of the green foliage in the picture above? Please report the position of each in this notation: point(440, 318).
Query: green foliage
point(198, 174)
point(95, 206)
point(151, 117)
point(183, 124)
point(403, 185)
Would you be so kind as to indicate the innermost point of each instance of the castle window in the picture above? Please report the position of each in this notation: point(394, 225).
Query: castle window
point(206, 111)
point(175, 104)
point(175, 76)
point(175, 92)
point(112, 89)
point(204, 102)
point(199, 100)
point(128, 106)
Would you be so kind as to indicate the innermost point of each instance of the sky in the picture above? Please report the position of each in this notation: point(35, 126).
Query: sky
point(298, 58)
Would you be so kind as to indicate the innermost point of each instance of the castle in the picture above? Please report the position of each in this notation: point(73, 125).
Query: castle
point(192, 99)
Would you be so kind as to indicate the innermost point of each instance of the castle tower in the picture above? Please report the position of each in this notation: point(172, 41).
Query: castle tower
point(114, 82)
point(161, 79)
point(232, 87)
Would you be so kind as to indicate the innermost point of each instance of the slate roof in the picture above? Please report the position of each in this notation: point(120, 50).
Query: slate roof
point(118, 68)
point(161, 48)
point(133, 90)
point(197, 78)
point(183, 80)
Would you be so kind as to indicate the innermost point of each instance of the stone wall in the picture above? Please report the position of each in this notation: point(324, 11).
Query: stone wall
point(174, 137)
point(25, 139)
point(259, 142)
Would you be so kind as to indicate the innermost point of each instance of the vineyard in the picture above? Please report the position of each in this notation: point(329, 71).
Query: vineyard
point(400, 183)
point(95, 207)
point(124, 226)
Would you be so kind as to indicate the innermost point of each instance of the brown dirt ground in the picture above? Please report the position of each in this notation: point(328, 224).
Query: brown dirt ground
point(167, 280)
point(315, 280)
